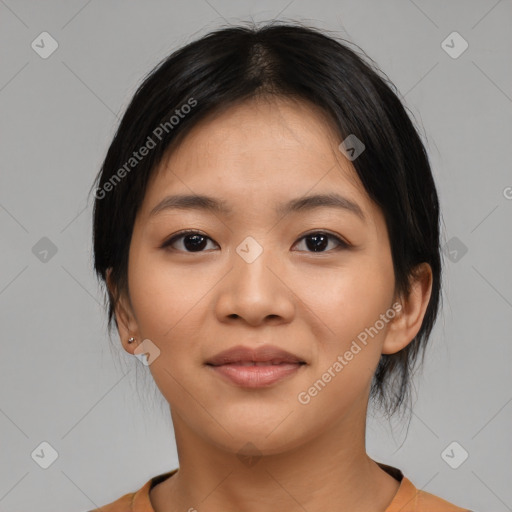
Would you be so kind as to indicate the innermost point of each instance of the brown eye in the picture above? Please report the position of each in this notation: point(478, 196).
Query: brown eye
point(191, 241)
point(319, 240)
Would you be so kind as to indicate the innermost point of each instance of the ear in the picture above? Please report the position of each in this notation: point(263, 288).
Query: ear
point(406, 324)
point(125, 319)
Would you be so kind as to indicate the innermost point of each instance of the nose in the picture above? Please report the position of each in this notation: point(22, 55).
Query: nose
point(256, 291)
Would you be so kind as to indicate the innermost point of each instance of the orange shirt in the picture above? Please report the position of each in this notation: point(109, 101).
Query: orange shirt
point(407, 498)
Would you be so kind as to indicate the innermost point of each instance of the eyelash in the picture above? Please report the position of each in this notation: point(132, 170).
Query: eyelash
point(341, 243)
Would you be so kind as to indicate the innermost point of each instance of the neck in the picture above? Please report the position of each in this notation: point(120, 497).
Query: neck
point(332, 468)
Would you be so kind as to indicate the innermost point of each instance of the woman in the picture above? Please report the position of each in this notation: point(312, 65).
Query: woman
point(267, 225)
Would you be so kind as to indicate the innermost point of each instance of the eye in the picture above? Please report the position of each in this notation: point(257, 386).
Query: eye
point(193, 241)
point(318, 240)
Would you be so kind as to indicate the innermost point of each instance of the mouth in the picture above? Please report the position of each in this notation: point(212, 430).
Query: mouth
point(257, 363)
point(255, 368)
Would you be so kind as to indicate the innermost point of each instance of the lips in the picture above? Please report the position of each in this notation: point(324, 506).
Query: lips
point(261, 356)
point(255, 368)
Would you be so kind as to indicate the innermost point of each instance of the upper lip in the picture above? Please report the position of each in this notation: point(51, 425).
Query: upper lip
point(264, 353)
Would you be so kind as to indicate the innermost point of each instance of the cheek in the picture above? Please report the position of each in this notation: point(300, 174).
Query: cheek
point(165, 296)
point(350, 303)
point(167, 303)
point(348, 342)
point(347, 299)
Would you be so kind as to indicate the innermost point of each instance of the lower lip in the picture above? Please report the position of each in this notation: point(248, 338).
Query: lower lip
point(256, 376)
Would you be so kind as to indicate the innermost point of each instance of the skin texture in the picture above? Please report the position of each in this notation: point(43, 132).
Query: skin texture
point(192, 305)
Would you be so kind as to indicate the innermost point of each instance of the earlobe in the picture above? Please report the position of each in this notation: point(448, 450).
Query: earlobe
point(126, 324)
point(407, 323)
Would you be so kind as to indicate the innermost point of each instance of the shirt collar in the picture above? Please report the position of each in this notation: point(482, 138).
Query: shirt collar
point(406, 492)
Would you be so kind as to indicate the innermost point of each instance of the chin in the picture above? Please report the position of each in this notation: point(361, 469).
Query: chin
point(256, 439)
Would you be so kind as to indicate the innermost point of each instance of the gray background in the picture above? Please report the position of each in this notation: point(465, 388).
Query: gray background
point(60, 382)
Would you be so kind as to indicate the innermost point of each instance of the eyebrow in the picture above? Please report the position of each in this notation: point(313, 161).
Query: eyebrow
point(216, 206)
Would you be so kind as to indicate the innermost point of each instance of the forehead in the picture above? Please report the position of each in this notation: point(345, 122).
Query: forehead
point(270, 150)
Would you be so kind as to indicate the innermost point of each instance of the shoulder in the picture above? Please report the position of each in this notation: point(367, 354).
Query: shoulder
point(427, 501)
point(137, 501)
point(122, 504)
point(411, 499)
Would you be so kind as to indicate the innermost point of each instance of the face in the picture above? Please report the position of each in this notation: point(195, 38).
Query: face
point(315, 281)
